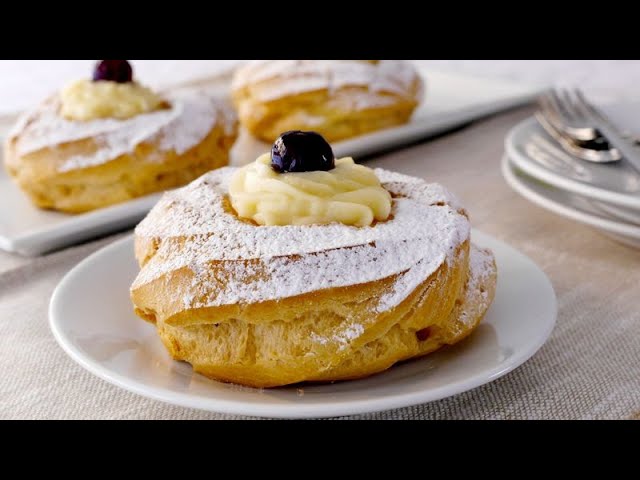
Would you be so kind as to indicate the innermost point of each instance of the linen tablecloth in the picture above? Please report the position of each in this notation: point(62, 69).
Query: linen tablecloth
point(588, 369)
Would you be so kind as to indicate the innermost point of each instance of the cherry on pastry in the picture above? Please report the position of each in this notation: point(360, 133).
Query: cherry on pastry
point(298, 151)
point(113, 70)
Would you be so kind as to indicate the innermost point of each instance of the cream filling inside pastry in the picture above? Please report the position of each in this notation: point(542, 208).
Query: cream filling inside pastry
point(350, 194)
point(85, 100)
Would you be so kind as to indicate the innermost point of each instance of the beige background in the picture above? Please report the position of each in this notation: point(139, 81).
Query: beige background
point(589, 368)
point(25, 82)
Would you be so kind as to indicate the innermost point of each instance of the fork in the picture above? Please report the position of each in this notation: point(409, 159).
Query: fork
point(556, 116)
point(580, 112)
point(554, 104)
point(558, 113)
point(576, 148)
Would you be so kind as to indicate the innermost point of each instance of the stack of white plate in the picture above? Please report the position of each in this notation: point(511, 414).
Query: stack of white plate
point(605, 196)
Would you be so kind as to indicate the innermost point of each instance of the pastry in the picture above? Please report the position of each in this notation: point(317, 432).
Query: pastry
point(107, 140)
point(299, 267)
point(338, 98)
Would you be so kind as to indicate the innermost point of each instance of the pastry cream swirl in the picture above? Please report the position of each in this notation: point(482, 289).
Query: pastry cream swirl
point(350, 194)
point(85, 100)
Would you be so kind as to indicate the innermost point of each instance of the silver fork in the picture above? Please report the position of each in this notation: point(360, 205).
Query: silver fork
point(557, 106)
point(583, 142)
point(573, 147)
point(559, 113)
point(581, 112)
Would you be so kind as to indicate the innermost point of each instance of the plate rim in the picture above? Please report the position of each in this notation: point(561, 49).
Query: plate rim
point(558, 181)
point(573, 213)
point(234, 407)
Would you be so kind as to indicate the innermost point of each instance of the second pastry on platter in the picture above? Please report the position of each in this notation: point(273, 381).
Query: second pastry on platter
point(339, 99)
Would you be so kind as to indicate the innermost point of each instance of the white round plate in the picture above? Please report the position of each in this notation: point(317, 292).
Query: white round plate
point(568, 205)
point(620, 213)
point(534, 152)
point(92, 319)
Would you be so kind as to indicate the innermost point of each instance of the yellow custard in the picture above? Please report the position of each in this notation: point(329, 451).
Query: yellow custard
point(86, 100)
point(350, 194)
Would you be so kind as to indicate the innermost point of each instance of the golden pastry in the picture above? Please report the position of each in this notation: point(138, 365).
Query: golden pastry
point(337, 98)
point(274, 274)
point(107, 140)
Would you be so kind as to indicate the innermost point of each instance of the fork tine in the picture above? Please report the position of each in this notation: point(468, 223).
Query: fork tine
point(561, 113)
point(559, 102)
point(559, 106)
point(546, 102)
point(568, 103)
point(581, 100)
point(580, 106)
point(555, 108)
point(563, 99)
point(548, 109)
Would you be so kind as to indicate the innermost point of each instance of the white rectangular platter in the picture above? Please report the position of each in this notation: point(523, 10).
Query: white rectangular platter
point(452, 100)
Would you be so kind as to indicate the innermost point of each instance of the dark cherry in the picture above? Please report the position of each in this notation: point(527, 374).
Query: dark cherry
point(298, 151)
point(113, 70)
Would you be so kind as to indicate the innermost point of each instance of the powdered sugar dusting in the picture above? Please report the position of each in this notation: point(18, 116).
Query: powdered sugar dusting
point(343, 337)
point(480, 266)
point(263, 263)
point(273, 79)
point(191, 117)
point(350, 333)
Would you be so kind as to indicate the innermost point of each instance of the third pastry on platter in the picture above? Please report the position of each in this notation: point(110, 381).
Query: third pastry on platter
point(339, 99)
point(104, 141)
point(299, 267)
